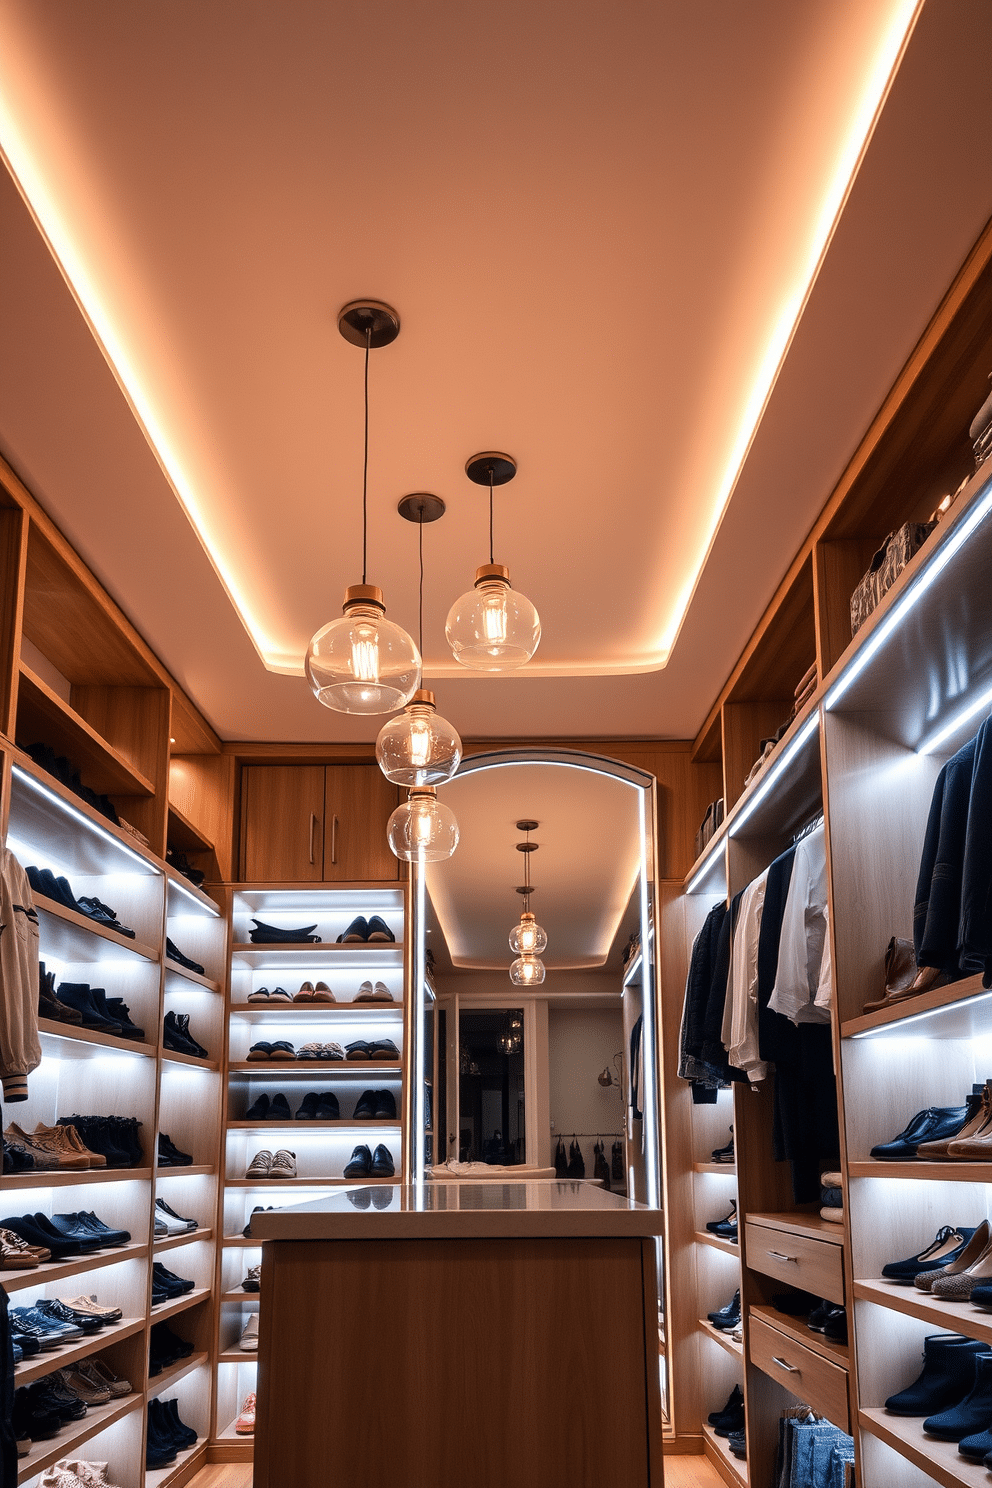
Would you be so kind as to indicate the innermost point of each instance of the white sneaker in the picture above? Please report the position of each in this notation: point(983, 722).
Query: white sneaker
point(245, 1424)
point(283, 1165)
point(249, 1337)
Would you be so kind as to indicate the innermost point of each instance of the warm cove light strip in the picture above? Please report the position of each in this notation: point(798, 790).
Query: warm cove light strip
point(878, 79)
point(880, 70)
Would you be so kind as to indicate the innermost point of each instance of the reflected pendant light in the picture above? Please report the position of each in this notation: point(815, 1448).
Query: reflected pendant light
point(363, 663)
point(492, 628)
point(419, 747)
point(527, 938)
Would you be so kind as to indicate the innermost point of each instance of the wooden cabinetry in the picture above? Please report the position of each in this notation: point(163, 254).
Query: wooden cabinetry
point(316, 823)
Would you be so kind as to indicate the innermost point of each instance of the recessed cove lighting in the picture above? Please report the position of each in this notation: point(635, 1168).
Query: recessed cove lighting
point(808, 729)
point(931, 745)
point(887, 1029)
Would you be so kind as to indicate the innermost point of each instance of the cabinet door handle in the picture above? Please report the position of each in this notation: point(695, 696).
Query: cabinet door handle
point(778, 1255)
point(313, 824)
point(783, 1365)
point(334, 839)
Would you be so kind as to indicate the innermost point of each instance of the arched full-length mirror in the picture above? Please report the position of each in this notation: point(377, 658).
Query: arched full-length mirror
point(517, 1076)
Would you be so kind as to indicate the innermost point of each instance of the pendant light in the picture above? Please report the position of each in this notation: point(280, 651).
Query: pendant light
point(527, 937)
point(419, 747)
point(492, 628)
point(422, 829)
point(363, 663)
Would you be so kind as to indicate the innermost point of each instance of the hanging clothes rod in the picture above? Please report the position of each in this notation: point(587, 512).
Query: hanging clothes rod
point(560, 1132)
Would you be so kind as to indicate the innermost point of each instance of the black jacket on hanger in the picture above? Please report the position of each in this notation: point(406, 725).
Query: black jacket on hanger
point(937, 911)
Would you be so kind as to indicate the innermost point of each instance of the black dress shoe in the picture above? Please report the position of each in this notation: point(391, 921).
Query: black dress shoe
point(935, 1124)
point(327, 1107)
point(64, 1227)
point(259, 1109)
point(382, 1163)
point(357, 932)
point(365, 1107)
point(385, 1106)
point(835, 1325)
point(307, 1110)
point(24, 1225)
point(378, 931)
point(360, 1163)
point(105, 1234)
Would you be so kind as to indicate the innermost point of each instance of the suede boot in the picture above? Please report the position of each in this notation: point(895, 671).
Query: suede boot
point(974, 1412)
point(947, 1376)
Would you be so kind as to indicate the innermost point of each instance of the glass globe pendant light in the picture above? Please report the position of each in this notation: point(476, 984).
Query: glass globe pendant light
point(492, 628)
point(363, 663)
point(419, 747)
point(422, 829)
point(527, 938)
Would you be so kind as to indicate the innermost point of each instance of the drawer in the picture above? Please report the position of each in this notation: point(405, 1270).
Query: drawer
point(801, 1261)
point(814, 1379)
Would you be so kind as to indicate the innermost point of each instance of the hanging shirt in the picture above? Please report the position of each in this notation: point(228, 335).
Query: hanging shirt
point(741, 1015)
point(802, 991)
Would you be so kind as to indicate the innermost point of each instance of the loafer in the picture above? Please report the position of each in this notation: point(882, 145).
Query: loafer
point(930, 1125)
point(360, 1163)
point(364, 1107)
point(382, 1162)
point(259, 1109)
point(279, 1109)
point(378, 931)
point(308, 1107)
point(327, 1107)
point(364, 993)
point(385, 1105)
point(357, 932)
point(381, 993)
point(323, 993)
point(305, 993)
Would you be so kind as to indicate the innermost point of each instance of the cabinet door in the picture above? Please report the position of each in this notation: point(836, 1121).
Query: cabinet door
point(358, 800)
point(282, 837)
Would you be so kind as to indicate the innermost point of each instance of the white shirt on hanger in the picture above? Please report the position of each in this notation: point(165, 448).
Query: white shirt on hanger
point(740, 1030)
point(802, 989)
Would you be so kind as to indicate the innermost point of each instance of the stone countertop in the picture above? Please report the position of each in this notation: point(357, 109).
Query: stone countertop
point(461, 1211)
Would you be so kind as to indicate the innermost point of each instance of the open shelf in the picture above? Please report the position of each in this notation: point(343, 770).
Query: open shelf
point(941, 1461)
point(959, 1010)
point(314, 1012)
point(351, 1127)
point(185, 834)
point(70, 1353)
point(165, 1477)
point(172, 1056)
point(163, 1310)
point(732, 1469)
point(729, 1247)
point(173, 969)
point(97, 1418)
point(715, 1167)
point(801, 1224)
point(157, 1383)
point(307, 1182)
point(309, 1068)
point(189, 1171)
point(68, 1035)
point(188, 894)
point(45, 718)
point(68, 936)
point(42, 1179)
point(173, 1242)
point(943, 1172)
point(725, 1341)
point(309, 954)
point(953, 1317)
point(46, 815)
point(237, 1356)
point(56, 1271)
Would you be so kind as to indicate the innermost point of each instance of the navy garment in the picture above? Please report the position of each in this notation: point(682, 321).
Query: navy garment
point(937, 911)
point(975, 928)
point(713, 1052)
point(804, 1104)
point(8, 1447)
point(697, 990)
point(635, 1068)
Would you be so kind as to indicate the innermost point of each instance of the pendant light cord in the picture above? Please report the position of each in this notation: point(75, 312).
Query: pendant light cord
point(421, 526)
point(491, 559)
point(365, 465)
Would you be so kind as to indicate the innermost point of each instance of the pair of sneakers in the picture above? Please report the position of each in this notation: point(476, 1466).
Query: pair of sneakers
point(266, 1164)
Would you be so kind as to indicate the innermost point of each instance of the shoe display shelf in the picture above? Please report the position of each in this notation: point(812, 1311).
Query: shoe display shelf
point(890, 707)
point(322, 1148)
point(96, 1073)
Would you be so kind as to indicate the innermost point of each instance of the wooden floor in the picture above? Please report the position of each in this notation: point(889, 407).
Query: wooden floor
point(680, 1472)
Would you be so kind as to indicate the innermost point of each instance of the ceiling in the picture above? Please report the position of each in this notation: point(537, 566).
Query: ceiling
point(615, 240)
point(584, 869)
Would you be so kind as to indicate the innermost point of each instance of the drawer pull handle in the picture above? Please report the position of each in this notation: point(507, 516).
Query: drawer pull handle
point(783, 1365)
point(313, 823)
point(334, 839)
point(778, 1255)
